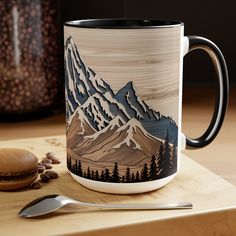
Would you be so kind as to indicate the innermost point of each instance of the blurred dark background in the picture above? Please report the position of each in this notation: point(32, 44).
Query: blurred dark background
point(211, 19)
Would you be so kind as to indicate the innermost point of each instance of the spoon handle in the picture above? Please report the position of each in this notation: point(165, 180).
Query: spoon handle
point(141, 206)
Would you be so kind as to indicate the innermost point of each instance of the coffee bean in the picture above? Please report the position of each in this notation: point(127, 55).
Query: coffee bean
point(45, 178)
point(41, 168)
point(52, 174)
point(36, 185)
point(47, 174)
point(56, 161)
point(46, 160)
point(52, 156)
point(47, 165)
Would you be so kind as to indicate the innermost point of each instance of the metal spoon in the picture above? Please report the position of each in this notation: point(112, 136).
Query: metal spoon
point(47, 204)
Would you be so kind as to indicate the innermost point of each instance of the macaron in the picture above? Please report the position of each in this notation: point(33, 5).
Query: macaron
point(18, 168)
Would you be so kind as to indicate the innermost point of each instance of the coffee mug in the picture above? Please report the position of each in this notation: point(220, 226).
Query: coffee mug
point(123, 86)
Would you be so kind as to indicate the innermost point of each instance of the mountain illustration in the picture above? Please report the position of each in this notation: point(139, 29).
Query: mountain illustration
point(117, 143)
point(134, 105)
point(108, 127)
point(79, 126)
point(81, 81)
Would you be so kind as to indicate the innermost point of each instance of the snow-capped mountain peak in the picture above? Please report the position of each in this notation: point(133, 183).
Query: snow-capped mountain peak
point(80, 115)
point(97, 108)
point(133, 124)
point(131, 129)
point(114, 124)
point(117, 121)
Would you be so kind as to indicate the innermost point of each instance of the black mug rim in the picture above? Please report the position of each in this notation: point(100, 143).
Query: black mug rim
point(124, 23)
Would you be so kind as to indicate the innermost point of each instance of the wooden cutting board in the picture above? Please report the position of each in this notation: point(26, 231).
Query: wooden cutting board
point(214, 201)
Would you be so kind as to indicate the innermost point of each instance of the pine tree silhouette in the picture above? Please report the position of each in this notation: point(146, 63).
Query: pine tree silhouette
point(69, 162)
point(167, 150)
point(158, 161)
point(161, 150)
point(174, 157)
point(76, 167)
point(107, 175)
point(115, 174)
point(165, 161)
point(132, 178)
point(137, 179)
point(88, 173)
point(79, 169)
point(93, 175)
point(123, 179)
point(102, 177)
point(160, 158)
point(144, 173)
point(84, 175)
point(162, 162)
point(72, 168)
point(153, 169)
point(127, 175)
point(97, 175)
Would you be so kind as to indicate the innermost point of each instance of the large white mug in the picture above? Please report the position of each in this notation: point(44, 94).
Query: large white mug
point(123, 85)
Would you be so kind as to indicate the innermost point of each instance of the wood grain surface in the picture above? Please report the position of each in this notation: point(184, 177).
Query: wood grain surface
point(213, 198)
point(151, 58)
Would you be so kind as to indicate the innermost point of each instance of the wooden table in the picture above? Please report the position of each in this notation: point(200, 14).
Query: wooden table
point(213, 198)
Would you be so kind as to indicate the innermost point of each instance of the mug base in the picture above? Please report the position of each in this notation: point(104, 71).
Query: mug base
point(123, 188)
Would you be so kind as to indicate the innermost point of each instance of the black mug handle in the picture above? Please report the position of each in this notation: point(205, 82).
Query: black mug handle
point(217, 58)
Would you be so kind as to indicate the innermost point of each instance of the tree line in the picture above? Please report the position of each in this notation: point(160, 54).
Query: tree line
point(162, 165)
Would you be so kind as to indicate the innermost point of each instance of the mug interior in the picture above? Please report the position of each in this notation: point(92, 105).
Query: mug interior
point(123, 23)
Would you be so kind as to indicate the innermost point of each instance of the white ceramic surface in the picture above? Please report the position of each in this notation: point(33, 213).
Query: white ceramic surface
point(123, 188)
